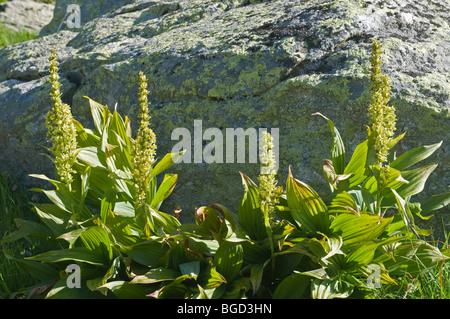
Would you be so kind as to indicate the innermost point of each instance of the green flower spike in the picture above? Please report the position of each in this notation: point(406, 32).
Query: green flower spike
point(61, 129)
point(382, 117)
point(268, 191)
point(144, 147)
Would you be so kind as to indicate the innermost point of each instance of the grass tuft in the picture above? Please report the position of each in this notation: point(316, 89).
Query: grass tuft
point(9, 37)
point(14, 203)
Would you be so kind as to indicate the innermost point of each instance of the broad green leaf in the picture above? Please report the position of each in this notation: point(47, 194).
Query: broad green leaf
point(414, 156)
point(84, 179)
point(156, 275)
point(330, 289)
point(301, 248)
point(394, 180)
point(97, 239)
point(192, 269)
point(362, 255)
point(292, 287)
point(326, 247)
point(124, 158)
point(228, 215)
point(45, 178)
point(126, 290)
point(355, 229)
point(237, 288)
point(357, 165)
point(124, 209)
point(85, 137)
point(124, 188)
point(165, 189)
point(416, 179)
point(286, 263)
point(148, 253)
point(107, 203)
point(307, 208)
point(53, 217)
point(210, 278)
point(119, 126)
point(61, 291)
point(393, 141)
point(27, 228)
point(337, 147)
point(99, 113)
point(163, 221)
point(113, 272)
point(435, 202)
point(165, 163)
point(93, 157)
point(72, 236)
point(343, 203)
point(336, 181)
point(255, 253)
point(81, 254)
point(64, 199)
point(404, 210)
point(369, 200)
point(174, 290)
point(256, 275)
point(228, 260)
point(250, 216)
point(203, 294)
point(120, 229)
point(61, 199)
point(412, 257)
point(416, 182)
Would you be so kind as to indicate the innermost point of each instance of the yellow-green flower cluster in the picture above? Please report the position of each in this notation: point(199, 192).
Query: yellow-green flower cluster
point(144, 147)
point(382, 116)
point(61, 129)
point(269, 192)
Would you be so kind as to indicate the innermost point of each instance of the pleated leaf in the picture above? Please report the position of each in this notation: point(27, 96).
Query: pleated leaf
point(337, 147)
point(355, 229)
point(250, 216)
point(306, 207)
point(414, 156)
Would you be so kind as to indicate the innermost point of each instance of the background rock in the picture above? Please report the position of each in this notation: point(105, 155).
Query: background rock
point(26, 14)
point(236, 64)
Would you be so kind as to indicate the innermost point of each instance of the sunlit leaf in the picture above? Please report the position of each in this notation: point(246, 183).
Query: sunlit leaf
point(355, 229)
point(306, 207)
point(250, 216)
point(337, 147)
point(343, 203)
point(156, 275)
point(435, 202)
point(357, 165)
point(81, 254)
point(330, 289)
point(165, 189)
point(414, 156)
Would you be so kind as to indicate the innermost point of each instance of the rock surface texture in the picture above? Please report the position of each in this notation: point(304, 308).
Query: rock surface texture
point(26, 14)
point(236, 64)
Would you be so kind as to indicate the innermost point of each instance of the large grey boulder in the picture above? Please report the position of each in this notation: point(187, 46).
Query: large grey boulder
point(26, 15)
point(236, 64)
